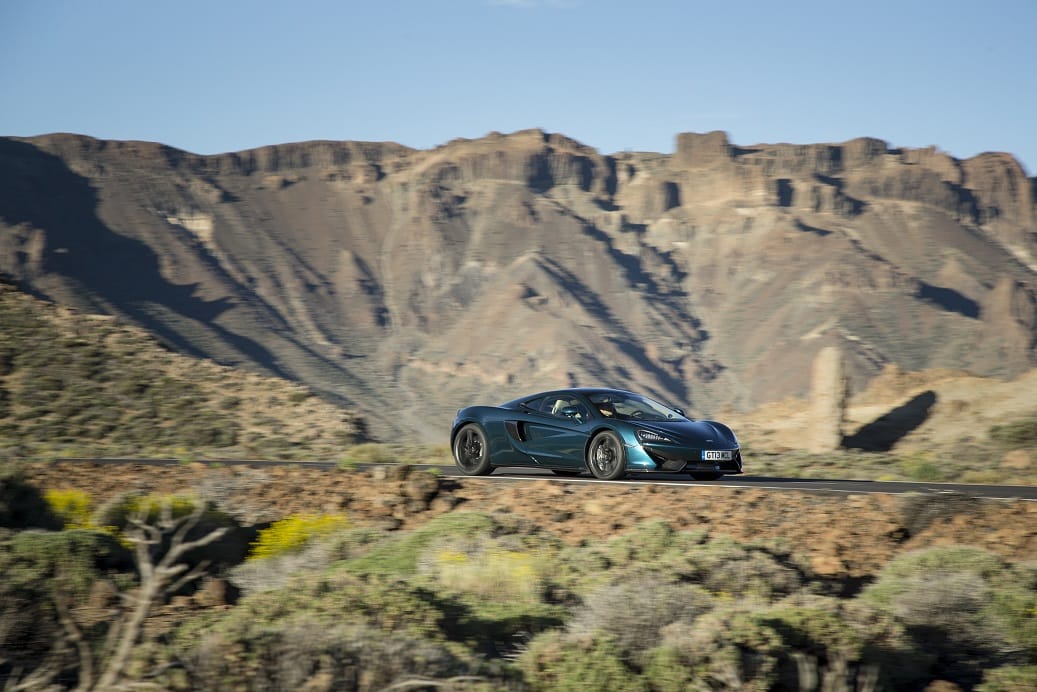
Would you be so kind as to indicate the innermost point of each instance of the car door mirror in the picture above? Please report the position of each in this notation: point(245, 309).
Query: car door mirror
point(680, 411)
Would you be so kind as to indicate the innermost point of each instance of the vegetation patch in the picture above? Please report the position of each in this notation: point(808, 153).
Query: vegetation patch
point(293, 532)
point(1021, 433)
point(83, 385)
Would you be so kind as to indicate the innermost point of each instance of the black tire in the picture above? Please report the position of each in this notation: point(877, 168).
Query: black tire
point(567, 474)
point(706, 476)
point(607, 457)
point(471, 454)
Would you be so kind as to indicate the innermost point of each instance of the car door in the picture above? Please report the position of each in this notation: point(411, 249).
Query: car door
point(556, 431)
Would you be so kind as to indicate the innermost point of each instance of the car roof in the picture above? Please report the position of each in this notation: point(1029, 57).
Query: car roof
point(596, 390)
point(584, 391)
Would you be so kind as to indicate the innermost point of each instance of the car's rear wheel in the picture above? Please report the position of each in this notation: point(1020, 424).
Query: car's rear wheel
point(606, 456)
point(470, 451)
point(560, 472)
point(706, 476)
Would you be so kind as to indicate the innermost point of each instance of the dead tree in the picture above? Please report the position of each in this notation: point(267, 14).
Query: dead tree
point(162, 573)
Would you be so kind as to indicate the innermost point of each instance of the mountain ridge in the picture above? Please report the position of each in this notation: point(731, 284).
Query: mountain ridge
point(414, 281)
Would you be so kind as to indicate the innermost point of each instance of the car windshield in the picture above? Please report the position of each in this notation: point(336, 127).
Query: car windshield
point(626, 406)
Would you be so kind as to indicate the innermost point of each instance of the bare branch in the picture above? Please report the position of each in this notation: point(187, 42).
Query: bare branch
point(199, 571)
point(166, 521)
point(112, 638)
point(157, 578)
point(82, 646)
point(180, 545)
point(41, 677)
point(178, 550)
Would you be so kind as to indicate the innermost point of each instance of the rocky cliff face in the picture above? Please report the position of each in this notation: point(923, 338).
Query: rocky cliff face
point(408, 283)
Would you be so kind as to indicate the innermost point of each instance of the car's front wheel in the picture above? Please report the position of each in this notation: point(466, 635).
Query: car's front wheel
point(470, 451)
point(606, 456)
point(706, 476)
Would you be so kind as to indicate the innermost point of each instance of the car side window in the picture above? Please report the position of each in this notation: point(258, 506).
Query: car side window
point(552, 405)
point(533, 404)
point(564, 407)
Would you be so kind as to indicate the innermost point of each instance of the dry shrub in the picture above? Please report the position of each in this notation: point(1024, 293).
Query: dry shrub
point(499, 569)
point(634, 611)
point(561, 662)
point(727, 649)
point(963, 604)
point(305, 652)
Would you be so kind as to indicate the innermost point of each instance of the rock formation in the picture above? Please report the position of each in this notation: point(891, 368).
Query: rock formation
point(828, 395)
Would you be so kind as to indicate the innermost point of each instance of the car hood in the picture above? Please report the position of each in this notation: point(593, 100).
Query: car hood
point(699, 432)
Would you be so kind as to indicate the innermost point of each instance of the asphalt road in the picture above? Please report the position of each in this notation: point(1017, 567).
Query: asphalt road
point(813, 485)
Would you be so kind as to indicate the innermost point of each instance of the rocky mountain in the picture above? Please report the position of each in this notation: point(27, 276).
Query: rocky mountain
point(407, 283)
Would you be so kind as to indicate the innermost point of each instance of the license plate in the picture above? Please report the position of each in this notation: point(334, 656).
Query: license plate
point(715, 455)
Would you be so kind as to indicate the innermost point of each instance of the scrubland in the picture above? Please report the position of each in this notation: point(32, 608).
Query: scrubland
point(401, 579)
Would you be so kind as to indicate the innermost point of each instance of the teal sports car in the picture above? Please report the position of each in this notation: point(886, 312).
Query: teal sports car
point(608, 432)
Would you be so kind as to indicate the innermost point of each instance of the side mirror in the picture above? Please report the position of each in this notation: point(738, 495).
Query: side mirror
point(680, 411)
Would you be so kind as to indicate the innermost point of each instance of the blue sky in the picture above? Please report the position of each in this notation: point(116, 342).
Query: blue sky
point(228, 75)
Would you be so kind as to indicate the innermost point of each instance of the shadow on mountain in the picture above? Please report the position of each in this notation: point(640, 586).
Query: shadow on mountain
point(881, 434)
point(812, 229)
point(107, 271)
point(618, 335)
point(949, 300)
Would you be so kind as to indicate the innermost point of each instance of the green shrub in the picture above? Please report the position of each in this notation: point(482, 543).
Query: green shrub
point(303, 651)
point(293, 532)
point(963, 604)
point(504, 568)
point(816, 629)
point(939, 560)
point(299, 397)
point(334, 595)
point(118, 511)
point(495, 573)
point(1009, 679)
point(1019, 433)
point(230, 403)
point(556, 661)
point(647, 542)
point(1013, 607)
point(726, 567)
point(74, 558)
point(398, 556)
point(370, 453)
point(723, 649)
point(921, 468)
point(276, 572)
point(497, 628)
point(40, 567)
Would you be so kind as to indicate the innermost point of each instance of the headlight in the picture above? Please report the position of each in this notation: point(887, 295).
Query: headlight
point(651, 436)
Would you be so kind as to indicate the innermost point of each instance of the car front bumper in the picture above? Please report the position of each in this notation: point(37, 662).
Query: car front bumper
point(672, 459)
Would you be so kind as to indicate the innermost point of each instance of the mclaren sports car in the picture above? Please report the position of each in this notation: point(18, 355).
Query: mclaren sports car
point(608, 432)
